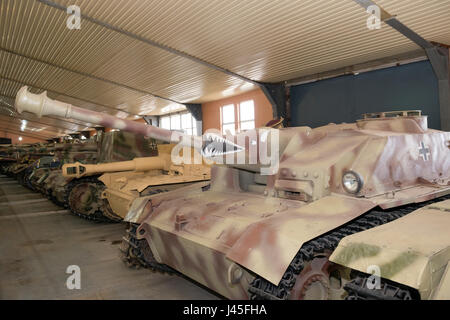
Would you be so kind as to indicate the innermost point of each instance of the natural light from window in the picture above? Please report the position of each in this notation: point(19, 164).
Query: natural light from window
point(185, 122)
point(245, 112)
point(246, 115)
point(228, 119)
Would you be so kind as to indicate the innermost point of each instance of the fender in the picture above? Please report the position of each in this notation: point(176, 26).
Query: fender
point(268, 247)
point(443, 290)
point(142, 207)
point(413, 250)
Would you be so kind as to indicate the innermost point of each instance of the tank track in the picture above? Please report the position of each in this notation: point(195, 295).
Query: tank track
point(97, 216)
point(136, 253)
point(21, 177)
point(261, 289)
point(108, 213)
point(52, 198)
point(357, 290)
point(27, 181)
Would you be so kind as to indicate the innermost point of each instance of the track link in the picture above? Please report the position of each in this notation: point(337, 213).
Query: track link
point(261, 289)
point(97, 215)
point(136, 253)
point(357, 289)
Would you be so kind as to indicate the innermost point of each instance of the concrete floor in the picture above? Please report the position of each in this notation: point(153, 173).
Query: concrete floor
point(39, 240)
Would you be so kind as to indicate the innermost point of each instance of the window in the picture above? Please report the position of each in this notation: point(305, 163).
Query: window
point(228, 121)
point(184, 122)
point(246, 117)
point(165, 122)
point(175, 123)
point(188, 124)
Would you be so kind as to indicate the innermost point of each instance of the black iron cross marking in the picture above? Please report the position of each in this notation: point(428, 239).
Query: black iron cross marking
point(424, 152)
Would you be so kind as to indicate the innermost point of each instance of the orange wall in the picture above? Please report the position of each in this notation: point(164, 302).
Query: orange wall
point(263, 109)
point(15, 138)
point(141, 120)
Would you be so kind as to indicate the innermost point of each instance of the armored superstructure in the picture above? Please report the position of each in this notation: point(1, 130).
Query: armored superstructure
point(270, 230)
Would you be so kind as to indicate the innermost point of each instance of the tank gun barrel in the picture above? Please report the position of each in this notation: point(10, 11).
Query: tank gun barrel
point(41, 105)
point(214, 146)
point(78, 170)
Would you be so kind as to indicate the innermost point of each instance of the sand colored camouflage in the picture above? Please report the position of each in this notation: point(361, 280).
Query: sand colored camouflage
point(270, 236)
point(124, 181)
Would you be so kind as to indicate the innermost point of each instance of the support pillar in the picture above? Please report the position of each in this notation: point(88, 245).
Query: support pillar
point(438, 56)
point(276, 94)
point(196, 110)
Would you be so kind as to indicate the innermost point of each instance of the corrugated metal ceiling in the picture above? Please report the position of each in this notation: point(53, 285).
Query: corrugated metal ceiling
point(270, 40)
point(263, 40)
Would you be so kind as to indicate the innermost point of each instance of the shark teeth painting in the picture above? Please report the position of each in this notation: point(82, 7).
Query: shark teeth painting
point(216, 146)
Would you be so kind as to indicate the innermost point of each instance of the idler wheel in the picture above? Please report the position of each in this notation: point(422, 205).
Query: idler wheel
point(320, 279)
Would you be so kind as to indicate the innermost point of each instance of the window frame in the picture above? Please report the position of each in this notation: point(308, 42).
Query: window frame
point(237, 116)
point(222, 123)
point(246, 121)
point(191, 130)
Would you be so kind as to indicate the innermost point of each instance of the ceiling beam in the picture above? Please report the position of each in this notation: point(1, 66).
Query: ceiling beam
point(437, 56)
point(410, 57)
point(276, 94)
point(274, 102)
point(153, 43)
point(88, 75)
point(196, 110)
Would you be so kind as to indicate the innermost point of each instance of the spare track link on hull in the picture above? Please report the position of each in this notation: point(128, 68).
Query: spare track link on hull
point(261, 289)
point(97, 216)
point(136, 253)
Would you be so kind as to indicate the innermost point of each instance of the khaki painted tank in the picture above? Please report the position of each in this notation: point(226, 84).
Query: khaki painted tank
point(298, 220)
point(113, 146)
point(124, 181)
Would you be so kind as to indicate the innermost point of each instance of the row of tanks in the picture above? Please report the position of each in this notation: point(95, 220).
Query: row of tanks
point(16, 160)
point(343, 211)
point(121, 183)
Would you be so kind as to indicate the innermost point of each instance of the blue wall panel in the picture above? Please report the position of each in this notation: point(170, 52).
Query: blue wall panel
point(344, 99)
